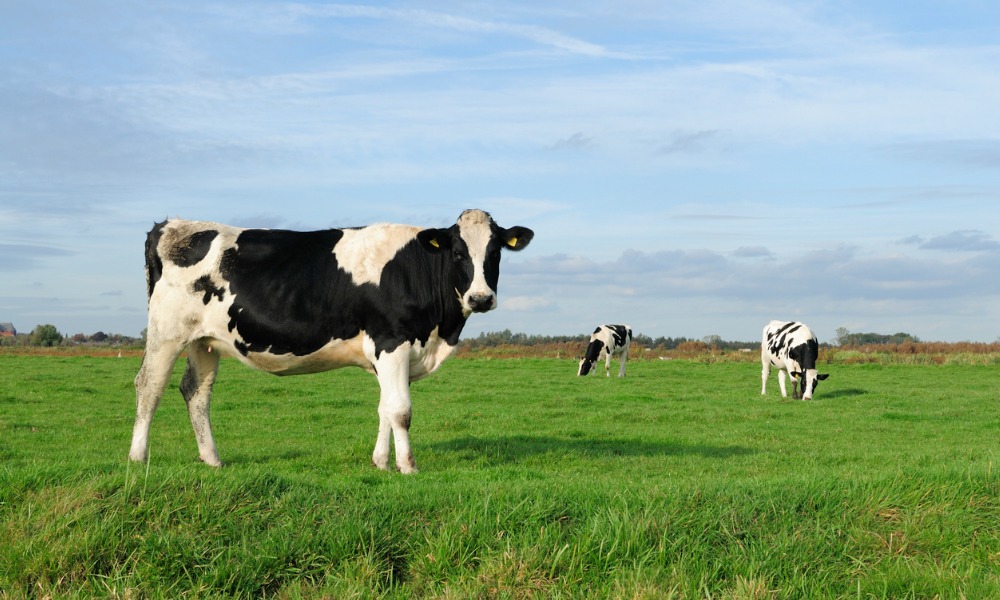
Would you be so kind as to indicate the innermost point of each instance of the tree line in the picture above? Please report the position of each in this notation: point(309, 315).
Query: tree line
point(493, 339)
point(846, 338)
point(48, 336)
point(508, 338)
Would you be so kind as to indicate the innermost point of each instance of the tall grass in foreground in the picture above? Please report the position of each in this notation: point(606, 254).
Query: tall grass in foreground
point(680, 481)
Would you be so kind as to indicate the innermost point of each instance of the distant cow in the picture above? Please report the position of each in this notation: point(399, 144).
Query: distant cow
point(391, 299)
point(609, 340)
point(792, 348)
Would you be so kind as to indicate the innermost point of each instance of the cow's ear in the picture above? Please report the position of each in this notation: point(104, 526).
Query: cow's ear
point(434, 240)
point(516, 238)
point(795, 374)
point(822, 376)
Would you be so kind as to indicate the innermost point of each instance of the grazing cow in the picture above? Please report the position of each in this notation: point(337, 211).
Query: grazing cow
point(391, 299)
point(609, 340)
point(792, 348)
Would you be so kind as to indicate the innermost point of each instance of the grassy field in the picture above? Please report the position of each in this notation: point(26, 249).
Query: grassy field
point(680, 481)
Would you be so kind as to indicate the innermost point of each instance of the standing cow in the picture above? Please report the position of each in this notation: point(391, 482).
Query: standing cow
point(793, 348)
point(391, 299)
point(609, 340)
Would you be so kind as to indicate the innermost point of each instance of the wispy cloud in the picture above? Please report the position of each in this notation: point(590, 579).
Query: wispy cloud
point(753, 252)
point(25, 257)
point(977, 154)
point(957, 241)
point(300, 14)
point(575, 141)
point(686, 142)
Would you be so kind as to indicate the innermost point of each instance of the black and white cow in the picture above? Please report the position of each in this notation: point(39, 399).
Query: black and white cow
point(391, 299)
point(607, 340)
point(793, 348)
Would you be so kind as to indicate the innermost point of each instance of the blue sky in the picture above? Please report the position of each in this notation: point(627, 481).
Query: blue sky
point(691, 167)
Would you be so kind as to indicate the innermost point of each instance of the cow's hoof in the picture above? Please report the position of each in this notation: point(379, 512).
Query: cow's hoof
point(407, 466)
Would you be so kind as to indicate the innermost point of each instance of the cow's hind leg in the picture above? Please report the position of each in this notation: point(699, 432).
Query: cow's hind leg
point(765, 372)
point(196, 387)
point(622, 361)
point(394, 410)
point(157, 365)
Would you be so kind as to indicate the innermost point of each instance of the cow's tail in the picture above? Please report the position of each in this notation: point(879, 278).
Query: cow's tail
point(154, 264)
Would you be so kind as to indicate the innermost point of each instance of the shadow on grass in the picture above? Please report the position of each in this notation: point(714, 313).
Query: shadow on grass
point(842, 393)
point(518, 447)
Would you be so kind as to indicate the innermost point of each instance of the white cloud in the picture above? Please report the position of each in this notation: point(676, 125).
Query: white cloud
point(528, 304)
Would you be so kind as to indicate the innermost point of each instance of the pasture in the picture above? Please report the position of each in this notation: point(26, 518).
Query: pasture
point(680, 481)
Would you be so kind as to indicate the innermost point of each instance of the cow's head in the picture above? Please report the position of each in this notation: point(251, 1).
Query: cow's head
point(585, 366)
point(808, 380)
point(474, 244)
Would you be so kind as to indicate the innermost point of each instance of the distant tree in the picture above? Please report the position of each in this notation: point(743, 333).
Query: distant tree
point(79, 338)
point(642, 340)
point(846, 338)
point(46, 335)
point(100, 336)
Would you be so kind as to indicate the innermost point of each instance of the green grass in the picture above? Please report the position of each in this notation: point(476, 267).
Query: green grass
point(680, 481)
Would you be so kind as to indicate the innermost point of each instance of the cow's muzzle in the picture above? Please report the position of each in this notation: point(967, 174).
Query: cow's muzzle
point(482, 302)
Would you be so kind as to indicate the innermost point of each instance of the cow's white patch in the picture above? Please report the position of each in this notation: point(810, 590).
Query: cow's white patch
point(334, 355)
point(474, 228)
point(363, 253)
point(426, 358)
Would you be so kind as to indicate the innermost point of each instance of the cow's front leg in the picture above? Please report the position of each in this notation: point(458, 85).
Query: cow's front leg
point(607, 365)
point(781, 383)
point(394, 410)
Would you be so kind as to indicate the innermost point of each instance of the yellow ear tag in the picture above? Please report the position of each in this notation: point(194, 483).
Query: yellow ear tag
point(434, 243)
point(512, 242)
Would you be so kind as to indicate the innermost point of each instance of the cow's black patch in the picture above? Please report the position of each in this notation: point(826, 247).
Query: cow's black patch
point(193, 249)
point(417, 293)
point(805, 354)
point(206, 285)
point(591, 355)
point(594, 350)
point(154, 266)
point(780, 338)
point(289, 291)
point(621, 334)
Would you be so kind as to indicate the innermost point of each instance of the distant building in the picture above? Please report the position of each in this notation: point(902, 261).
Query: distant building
point(7, 330)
